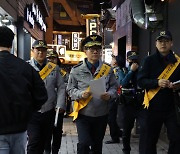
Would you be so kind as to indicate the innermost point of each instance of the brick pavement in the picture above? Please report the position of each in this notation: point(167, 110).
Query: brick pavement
point(69, 142)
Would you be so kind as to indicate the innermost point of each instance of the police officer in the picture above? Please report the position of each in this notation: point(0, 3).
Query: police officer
point(156, 75)
point(52, 56)
point(55, 144)
point(114, 129)
point(129, 98)
point(41, 124)
point(91, 113)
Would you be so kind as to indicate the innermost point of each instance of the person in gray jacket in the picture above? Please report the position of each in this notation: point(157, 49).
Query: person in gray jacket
point(91, 113)
point(41, 124)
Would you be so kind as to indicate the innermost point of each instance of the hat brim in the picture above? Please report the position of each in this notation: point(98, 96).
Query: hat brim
point(40, 46)
point(165, 37)
point(134, 57)
point(51, 56)
point(90, 44)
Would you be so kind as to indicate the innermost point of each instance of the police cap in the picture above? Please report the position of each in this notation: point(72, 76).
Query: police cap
point(132, 55)
point(164, 34)
point(92, 40)
point(39, 44)
point(51, 53)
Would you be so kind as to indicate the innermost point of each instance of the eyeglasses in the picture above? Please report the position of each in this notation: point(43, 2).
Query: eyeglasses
point(163, 41)
point(43, 50)
point(94, 49)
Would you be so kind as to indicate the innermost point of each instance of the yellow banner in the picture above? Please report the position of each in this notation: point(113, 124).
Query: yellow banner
point(47, 70)
point(78, 105)
point(63, 72)
point(164, 75)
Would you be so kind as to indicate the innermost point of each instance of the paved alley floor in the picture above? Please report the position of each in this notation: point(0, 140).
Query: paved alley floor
point(70, 140)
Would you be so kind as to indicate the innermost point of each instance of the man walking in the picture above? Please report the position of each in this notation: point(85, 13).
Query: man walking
point(22, 92)
point(91, 113)
point(156, 75)
point(41, 125)
point(54, 143)
point(114, 129)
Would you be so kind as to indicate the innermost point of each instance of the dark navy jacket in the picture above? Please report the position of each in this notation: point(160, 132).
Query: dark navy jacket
point(21, 92)
point(150, 70)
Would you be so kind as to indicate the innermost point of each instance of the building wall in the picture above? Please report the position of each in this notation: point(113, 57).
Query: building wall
point(123, 27)
point(147, 38)
point(24, 37)
point(174, 23)
point(49, 20)
point(15, 9)
point(36, 32)
point(11, 7)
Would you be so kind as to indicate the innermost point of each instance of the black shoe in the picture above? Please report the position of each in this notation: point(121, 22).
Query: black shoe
point(112, 141)
point(66, 115)
point(120, 133)
point(126, 152)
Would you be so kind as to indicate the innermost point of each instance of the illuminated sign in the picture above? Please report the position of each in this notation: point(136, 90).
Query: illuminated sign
point(67, 56)
point(108, 55)
point(92, 26)
point(74, 57)
point(60, 49)
point(75, 41)
point(33, 15)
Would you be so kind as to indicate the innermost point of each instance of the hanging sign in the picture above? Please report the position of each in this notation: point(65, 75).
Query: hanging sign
point(33, 15)
point(75, 41)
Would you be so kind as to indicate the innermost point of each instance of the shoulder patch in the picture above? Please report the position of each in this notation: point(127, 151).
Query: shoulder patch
point(63, 72)
point(125, 70)
point(78, 64)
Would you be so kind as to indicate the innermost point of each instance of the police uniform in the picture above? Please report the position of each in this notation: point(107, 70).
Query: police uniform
point(114, 129)
point(41, 123)
point(129, 98)
point(161, 108)
point(55, 144)
point(92, 119)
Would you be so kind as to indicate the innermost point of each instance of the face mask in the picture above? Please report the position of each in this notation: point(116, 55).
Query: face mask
point(133, 61)
point(130, 63)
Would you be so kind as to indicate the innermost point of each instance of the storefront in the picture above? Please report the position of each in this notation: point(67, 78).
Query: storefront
point(27, 21)
point(7, 20)
point(31, 26)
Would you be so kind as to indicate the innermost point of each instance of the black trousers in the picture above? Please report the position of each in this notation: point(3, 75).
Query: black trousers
point(54, 143)
point(154, 122)
point(130, 114)
point(39, 131)
point(91, 131)
point(112, 121)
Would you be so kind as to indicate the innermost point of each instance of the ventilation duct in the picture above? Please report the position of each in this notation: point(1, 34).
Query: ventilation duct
point(138, 13)
point(153, 19)
point(144, 14)
point(108, 15)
